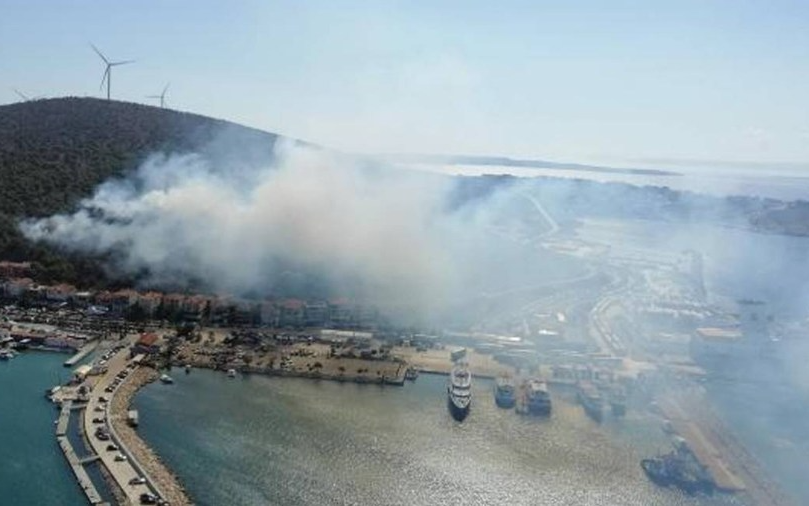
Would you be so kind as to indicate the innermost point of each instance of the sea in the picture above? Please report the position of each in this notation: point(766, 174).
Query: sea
point(33, 470)
point(259, 440)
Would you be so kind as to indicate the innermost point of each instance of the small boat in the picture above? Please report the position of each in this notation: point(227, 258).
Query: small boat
point(165, 378)
point(231, 373)
point(590, 398)
point(618, 402)
point(187, 368)
point(537, 397)
point(505, 392)
point(411, 374)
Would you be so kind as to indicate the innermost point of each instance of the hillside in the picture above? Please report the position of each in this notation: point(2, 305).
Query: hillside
point(55, 152)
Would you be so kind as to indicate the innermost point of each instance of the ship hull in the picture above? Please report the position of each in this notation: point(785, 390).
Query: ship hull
point(458, 411)
point(540, 409)
point(505, 402)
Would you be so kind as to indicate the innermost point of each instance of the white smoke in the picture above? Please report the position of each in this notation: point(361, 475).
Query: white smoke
point(385, 232)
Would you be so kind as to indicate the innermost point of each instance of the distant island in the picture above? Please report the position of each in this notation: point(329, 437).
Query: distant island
point(503, 161)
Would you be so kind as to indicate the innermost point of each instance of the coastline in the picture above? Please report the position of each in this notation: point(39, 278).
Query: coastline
point(165, 479)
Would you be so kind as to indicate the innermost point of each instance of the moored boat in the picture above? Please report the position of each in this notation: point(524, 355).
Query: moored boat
point(459, 391)
point(165, 378)
point(618, 401)
point(505, 392)
point(590, 398)
point(680, 469)
point(538, 399)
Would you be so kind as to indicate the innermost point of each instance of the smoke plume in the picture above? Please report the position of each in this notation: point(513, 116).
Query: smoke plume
point(382, 233)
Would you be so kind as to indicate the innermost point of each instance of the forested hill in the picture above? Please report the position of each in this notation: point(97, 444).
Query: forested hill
point(55, 152)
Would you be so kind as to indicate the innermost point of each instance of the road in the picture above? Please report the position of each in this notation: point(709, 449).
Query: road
point(121, 471)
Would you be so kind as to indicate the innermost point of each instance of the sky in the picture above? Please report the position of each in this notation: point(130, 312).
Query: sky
point(617, 82)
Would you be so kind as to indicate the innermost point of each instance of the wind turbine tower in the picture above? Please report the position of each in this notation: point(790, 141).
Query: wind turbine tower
point(162, 96)
point(108, 70)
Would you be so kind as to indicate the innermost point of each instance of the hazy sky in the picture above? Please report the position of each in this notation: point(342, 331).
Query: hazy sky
point(572, 80)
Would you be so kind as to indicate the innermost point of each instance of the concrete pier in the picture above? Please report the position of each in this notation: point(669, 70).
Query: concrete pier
point(76, 464)
point(86, 350)
point(64, 418)
point(703, 449)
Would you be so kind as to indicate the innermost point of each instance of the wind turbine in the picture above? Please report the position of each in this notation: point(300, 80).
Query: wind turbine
point(108, 71)
point(162, 96)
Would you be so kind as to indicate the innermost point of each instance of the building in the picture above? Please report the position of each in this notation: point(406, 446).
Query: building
point(18, 287)
point(341, 313)
point(147, 343)
point(292, 313)
point(10, 270)
point(60, 293)
point(316, 314)
point(149, 302)
point(270, 313)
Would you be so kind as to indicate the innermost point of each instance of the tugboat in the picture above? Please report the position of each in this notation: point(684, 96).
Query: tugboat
point(459, 391)
point(505, 392)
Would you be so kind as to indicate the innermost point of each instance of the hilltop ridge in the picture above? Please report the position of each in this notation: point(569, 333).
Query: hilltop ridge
point(55, 152)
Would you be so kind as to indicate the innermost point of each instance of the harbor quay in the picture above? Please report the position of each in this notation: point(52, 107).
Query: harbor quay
point(102, 398)
point(104, 389)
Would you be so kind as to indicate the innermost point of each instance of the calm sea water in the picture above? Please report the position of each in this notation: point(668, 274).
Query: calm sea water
point(33, 470)
point(260, 440)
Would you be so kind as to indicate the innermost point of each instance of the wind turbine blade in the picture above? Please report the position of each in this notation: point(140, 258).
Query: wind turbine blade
point(165, 89)
point(122, 62)
point(99, 53)
point(104, 77)
point(21, 94)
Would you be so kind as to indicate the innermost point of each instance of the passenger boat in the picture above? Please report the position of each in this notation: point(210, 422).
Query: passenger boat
point(459, 391)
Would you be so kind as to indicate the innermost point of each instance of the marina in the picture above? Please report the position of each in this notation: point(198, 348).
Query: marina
point(402, 444)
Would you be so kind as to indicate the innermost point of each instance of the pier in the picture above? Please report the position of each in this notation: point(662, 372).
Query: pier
point(702, 448)
point(76, 464)
point(731, 466)
point(81, 354)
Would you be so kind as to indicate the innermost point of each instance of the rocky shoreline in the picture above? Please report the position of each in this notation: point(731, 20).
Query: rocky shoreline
point(165, 480)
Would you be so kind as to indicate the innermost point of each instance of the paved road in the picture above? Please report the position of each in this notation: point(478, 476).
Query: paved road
point(122, 471)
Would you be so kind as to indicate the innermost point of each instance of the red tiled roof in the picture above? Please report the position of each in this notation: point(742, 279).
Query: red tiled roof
point(148, 339)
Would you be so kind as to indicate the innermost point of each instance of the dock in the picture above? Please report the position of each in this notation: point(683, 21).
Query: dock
point(76, 464)
point(81, 354)
point(703, 449)
point(64, 418)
